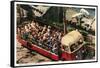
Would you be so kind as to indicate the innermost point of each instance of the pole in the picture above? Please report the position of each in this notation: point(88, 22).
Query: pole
point(64, 20)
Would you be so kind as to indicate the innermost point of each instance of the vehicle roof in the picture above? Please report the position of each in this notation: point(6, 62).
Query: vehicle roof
point(71, 38)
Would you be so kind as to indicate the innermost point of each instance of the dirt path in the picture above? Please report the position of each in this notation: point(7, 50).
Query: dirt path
point(24, 55)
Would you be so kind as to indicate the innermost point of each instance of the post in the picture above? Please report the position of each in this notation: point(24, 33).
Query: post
point(64, 21)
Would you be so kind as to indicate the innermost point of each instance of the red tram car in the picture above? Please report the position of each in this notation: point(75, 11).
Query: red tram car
point(72, 47)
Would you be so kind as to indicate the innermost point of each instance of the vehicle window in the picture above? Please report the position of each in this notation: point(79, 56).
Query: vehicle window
point(66, 48)
point(80, 41)
point(74, 47)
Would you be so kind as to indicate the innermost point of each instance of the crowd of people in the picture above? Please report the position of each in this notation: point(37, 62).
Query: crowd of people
point(44, 36)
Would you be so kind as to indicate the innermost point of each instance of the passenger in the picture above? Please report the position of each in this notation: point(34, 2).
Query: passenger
point(18, 31)
point(26, 29)
point(49, 30)
point(44, 29)
point(43, 36)
point(29, 26)
point(59, 37)
point(54, 48)
point(33, 26)
point(49, 43)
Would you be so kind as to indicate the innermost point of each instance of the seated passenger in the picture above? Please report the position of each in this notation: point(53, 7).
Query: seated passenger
point(44, 29)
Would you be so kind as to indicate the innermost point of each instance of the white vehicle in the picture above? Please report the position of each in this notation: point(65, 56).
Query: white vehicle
point(73, 44)
point(82, 13)
point(72, 41)
point(88, 24)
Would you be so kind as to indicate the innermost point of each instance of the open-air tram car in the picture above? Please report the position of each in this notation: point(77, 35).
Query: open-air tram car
point(71, 47)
